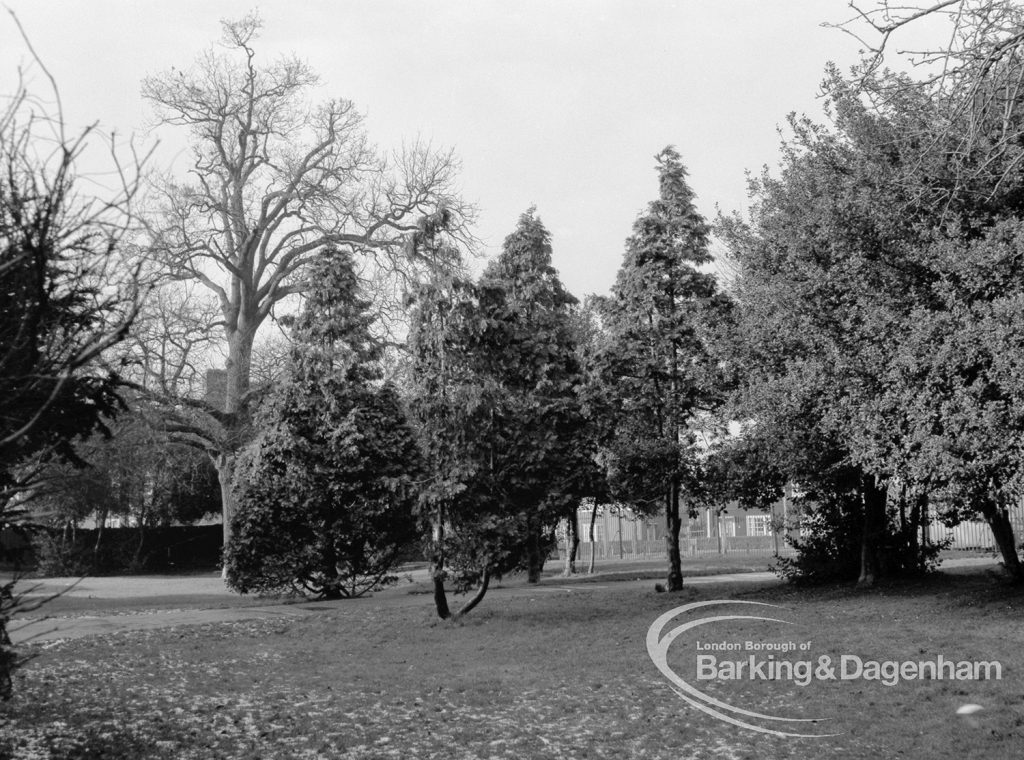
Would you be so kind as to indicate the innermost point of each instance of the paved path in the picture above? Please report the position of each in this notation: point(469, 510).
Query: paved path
point(49, 629)
point(53, 628)
point(208, 590)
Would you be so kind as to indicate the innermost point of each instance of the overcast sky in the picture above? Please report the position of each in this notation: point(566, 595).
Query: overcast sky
point(554, 103)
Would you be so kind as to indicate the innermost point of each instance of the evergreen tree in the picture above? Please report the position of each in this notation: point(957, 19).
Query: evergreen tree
point(657, 360)
point(538, 375)
point(495, 375)
point(326, 491)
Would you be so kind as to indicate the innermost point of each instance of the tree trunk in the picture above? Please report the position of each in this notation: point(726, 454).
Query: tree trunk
point(925, 520)
point(238, 366)
point(101, 523)
point(873, 503)
point(478, 597)
point(332, 591)
point(534, 558)
point(593, 546)
point(778, 527)
point(1002, 531)
point(137, 557)
point(440, 598)
point(332, 585)
point(437, 565)
point(903, 511)
point(913, 544)
point(238, 369)
point(673, 525)
point(572, 544)
point(225, 465)
point(907, 536)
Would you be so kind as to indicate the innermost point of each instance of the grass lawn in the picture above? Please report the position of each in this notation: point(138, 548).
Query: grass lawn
point(542, 673)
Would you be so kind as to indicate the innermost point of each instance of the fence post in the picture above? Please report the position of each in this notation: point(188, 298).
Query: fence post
point(620, 534)
point(775, 529)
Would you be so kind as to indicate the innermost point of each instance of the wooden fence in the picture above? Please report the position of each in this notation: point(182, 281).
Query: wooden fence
point(966, 536)
point(972, 535)
point(688, 547)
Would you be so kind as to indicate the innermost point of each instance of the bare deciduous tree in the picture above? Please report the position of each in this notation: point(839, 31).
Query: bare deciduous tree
point(172, 341)
point(273, 181)
point(966, 61)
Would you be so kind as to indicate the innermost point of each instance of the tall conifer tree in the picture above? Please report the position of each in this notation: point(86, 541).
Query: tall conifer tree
point(495, 377)
point(656, 359)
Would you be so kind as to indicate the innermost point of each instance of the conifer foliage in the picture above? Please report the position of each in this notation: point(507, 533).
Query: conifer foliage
point(495, 376)
point(657, 362)
point(326, 491)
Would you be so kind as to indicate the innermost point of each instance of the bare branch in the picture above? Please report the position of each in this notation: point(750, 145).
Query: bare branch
point(71, 284)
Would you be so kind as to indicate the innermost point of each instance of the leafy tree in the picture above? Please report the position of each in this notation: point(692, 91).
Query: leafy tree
point(878, 283)
point(827, 275)
point(274, 180)
point(326, 491)
point(967, 424)
point(495, 373)
point(657, 360)
point(743, 469)
point(136, 475)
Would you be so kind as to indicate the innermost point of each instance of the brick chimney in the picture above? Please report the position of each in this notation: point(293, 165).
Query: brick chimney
point(216, 387)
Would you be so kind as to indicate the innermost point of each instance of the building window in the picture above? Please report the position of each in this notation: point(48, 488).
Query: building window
point(727, 526)
point(759, 525)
